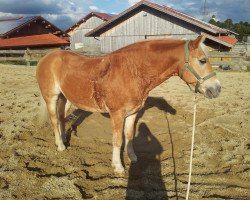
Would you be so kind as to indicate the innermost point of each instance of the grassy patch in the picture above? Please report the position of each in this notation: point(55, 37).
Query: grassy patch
point(248, 68)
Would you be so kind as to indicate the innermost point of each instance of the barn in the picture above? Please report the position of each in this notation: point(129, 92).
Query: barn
point(78, 30)
point(147, 20)
point(33, 32)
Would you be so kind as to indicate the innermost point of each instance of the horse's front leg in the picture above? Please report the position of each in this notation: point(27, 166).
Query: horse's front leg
point(117, 126)
point(129, 135)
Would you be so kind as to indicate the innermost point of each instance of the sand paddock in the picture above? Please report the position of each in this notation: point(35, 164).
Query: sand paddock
point(31, 168)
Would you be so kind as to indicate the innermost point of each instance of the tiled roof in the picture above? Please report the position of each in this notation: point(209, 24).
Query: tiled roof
point(228, 39)
point(33, 40)
point(224, 40)
point(103, 16)
point(204, 25)
point(187, 18)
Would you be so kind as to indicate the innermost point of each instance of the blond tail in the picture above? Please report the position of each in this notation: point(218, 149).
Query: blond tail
point(42, 118)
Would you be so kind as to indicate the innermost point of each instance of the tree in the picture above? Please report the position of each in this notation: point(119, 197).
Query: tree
point(242, 28)
point(212, 21)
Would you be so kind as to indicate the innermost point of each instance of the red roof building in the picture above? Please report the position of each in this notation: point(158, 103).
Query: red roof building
point(43, 40)
point(224, 40)
point(30, 32)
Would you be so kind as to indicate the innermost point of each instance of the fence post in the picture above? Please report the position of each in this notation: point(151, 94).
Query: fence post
point(27, 57)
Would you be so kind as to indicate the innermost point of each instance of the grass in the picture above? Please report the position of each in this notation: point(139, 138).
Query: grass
point(248, 68)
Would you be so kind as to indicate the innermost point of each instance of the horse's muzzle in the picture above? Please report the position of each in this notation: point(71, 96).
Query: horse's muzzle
point(213, 90)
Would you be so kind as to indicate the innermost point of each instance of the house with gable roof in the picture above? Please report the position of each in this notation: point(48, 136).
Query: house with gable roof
point(33, 32)
point(147, 20)
point(78, 30)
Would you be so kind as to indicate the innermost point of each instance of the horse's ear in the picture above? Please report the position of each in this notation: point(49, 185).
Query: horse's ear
point(196, 43)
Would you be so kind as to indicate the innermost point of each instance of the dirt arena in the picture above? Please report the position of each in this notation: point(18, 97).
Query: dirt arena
point(31, 168)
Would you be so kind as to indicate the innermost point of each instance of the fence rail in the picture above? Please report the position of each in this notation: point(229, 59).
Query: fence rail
point(28, 56)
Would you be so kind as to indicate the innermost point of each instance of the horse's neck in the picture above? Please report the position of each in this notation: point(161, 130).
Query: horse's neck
point(159, 68)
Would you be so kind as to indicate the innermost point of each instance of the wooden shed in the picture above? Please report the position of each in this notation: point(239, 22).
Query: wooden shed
point(147, 20)
point(78, 30)
point(32, 32)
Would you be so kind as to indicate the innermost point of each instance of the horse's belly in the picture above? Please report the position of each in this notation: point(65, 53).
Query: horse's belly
point(81, 93)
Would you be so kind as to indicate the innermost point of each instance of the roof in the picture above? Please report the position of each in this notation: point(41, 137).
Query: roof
point(10, 25)
point(103, 16)
point(10, 19)
point(189, 19)
point(33, 40)
point(224, 40)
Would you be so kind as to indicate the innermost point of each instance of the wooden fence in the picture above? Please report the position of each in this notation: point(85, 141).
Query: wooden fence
point(28, 56)
point(226, 58)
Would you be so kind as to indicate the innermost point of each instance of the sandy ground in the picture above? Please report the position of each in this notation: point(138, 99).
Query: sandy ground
point(31, 168)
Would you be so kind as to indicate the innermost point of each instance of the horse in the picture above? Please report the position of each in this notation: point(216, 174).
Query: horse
point(118, 83)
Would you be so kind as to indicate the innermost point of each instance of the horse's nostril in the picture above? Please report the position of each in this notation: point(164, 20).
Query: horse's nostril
point(213, 92)
point(209, 94)
point(219, 88)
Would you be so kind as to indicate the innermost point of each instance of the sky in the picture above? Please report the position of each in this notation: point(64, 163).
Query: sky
point(64, 13)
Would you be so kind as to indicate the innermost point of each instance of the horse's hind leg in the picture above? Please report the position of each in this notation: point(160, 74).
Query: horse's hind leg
point(117, 126)
point(61, 103)
point(56, 106)
point(67, 107)
point(129, 135)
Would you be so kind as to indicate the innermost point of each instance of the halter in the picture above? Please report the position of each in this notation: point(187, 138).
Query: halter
point(200, 80)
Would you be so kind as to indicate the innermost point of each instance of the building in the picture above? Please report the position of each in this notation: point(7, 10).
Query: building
point(78, 30)
point(147, 20)
point(33, 32)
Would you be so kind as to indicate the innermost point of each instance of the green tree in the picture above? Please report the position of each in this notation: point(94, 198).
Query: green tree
point(212, 21)
point(242, 28)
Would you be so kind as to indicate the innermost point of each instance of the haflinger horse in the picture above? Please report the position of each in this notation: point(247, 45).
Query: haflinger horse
point(119, 83)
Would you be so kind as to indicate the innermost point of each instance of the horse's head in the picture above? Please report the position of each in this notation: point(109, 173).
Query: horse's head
point(197, 72)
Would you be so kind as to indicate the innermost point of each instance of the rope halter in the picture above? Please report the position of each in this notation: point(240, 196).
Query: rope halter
point(200, 79)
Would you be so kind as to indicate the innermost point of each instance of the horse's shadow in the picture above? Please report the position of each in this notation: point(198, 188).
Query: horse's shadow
point(78, 116)
point(144, 178)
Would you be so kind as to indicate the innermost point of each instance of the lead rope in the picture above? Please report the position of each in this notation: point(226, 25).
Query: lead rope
point(192, 148)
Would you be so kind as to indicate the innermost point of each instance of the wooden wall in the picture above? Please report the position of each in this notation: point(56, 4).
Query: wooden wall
point(78, 34)
point(146, 24)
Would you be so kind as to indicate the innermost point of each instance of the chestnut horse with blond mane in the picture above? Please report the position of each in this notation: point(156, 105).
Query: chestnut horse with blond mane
point(119, 83)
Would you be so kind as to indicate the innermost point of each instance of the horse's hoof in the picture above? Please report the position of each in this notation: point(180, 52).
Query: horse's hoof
point(132, 157)
point(61, 148)
point(119, 169)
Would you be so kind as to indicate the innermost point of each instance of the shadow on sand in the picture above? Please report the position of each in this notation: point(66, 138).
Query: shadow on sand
point(145, 178)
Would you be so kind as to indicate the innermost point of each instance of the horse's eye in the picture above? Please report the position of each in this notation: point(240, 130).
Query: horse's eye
point(203, 61)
